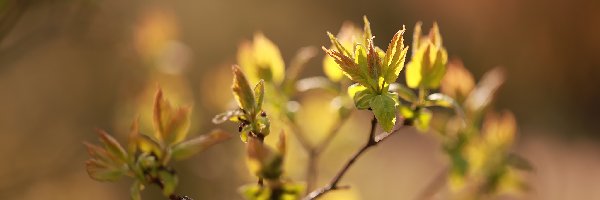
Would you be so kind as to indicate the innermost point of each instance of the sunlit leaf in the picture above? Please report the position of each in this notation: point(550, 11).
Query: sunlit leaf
point(428, 64)
point(112, 146)
point(395, 57)
point(348, 66)
point(384, 108)
point(259, 95)
point(261, 59)
point(171, 123)
point(241, 90)
point(345, 37)
point(190, 147)
point(148, 145)
point(102, 171)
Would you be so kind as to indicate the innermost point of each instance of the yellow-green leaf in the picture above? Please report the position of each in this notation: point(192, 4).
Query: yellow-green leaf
point(241, 90)
point(395, 57)
point(112, 146)
point(190, 147)
point(261, 59)
point(428, 64)
point(102, 171)
point(384, 109)
point(259, 94)
point(171, 124)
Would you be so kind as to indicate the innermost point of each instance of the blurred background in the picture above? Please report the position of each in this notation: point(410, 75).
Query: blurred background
point(70, 66)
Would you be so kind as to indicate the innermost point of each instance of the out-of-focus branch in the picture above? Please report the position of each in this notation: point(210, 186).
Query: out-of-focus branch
point(373, 140)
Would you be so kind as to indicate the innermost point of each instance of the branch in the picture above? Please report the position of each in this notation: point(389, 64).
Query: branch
point(315, 152)
point(372, 141)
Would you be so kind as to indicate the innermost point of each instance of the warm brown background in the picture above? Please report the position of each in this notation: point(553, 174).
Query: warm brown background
point(69, 66)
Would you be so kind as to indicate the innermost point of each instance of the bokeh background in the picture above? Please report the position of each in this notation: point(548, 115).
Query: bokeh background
point(70, 66)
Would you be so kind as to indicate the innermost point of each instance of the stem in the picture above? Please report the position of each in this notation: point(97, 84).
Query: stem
point(315, 153)
point(312, 172)
point(372, 141)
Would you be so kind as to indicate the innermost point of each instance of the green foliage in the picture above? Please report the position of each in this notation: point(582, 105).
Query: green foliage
point(374, 71)
point(475, 139)
point(147, 157)
point(428, 64)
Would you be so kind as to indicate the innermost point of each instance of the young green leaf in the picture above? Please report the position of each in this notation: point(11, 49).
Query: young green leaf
point(241, 90)
point(428, 64)
point(261, 59)
point(395, 57)
point(190, 147)
point(384, 108)
point(103, 171)
point(259, 95)
point(112, 146)
point(171, 124)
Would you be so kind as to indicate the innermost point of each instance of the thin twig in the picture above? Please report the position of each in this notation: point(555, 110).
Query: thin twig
point(372, 141)
point(315, 153)
point(434, 185)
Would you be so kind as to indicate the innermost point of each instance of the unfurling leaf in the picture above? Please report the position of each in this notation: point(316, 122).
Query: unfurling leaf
point(345, 38)
point(113, 147)
point(101, 170)
point(259, 95)
point(428, 64)
point(190, 147)
point(361, 95)
point(261, 59)
point(242, 92)
point(384, 108)
point(147, 144)
point(348, 66)
point(171, 123)
point(395, 57)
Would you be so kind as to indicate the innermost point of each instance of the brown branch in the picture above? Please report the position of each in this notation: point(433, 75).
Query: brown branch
point(315, 153)
point(373, 140)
